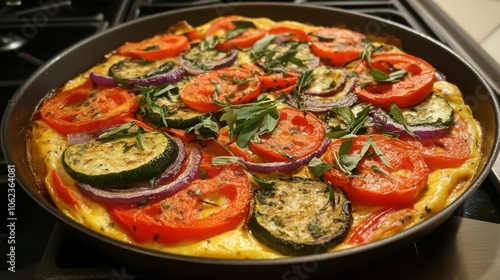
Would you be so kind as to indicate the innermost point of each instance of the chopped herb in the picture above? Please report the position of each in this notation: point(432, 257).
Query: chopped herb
point(367, 51)
point(354, 122)
point(151, 94)
point(394, 76)
point(143, 202)
point(221, 160)
point(205, 129)
point(240, 27)
point(209, 43)
point(315, 230)
point(378, 169)
point(248, 121)
point(318, 167)
point(304, 80)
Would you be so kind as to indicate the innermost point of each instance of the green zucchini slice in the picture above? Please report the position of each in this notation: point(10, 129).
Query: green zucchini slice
point(433, 111)
point(120, 162)
point(175, 112)
point(300, 216)
point(139, 68)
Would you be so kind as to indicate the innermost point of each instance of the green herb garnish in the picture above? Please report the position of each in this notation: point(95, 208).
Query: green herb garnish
point(240, 27)
point(392, 77)
point(399, 117)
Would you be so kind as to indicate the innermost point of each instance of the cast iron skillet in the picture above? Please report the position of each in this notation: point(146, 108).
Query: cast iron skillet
point(80, 57)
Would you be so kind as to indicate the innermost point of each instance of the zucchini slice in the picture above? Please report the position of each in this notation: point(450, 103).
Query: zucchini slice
point(300, 216)
point(176, 113)
point(120, 162)
point(139, 68)
point(433, 111)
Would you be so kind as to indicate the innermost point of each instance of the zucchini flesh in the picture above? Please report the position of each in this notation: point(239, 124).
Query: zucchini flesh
point(433, 111)
point(139, 68)
point(176, 113)
point(199, 58)
point(326, 78)
point(300, 216)
point(120, 162)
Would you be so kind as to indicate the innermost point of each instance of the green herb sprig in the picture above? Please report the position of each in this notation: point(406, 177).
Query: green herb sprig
point(125, 130)
point(249, 121)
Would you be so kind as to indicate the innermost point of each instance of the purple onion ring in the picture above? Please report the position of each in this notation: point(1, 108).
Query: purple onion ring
point(381, 117)
point(270, 167)
point(227, 61)
point(172, 77)
point(131, 197)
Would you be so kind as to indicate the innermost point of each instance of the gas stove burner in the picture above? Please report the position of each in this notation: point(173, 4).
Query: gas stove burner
point(11, 42)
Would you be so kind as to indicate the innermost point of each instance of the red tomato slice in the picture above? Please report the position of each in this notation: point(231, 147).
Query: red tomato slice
point(412, 89)
point(156, 48)
point(243, 40)
point(205, 208)
point(228, 85)
point(277, 81)
point(450, 149)
point(84, 108)
point(338, 45)
point(296, 135)
point(235, 150)
point(376, 183)
point(376, 222)
point(293, 33)
point(68, 196)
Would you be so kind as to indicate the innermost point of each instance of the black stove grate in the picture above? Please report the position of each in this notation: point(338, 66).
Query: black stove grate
point(45, 250)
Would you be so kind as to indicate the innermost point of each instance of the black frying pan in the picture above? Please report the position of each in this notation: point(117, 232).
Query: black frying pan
point(80, 57)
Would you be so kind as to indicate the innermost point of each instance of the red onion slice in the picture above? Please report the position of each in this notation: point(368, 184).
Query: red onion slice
point(137, 195)
point(172, 77)
point(346, 97)
point(270, 167)
point(227, 61)
point(388, 124)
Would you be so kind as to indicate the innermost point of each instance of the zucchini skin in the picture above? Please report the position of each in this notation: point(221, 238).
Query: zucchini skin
point(433, 111)
point(124, 177)
point(128, 68)
point(314, 240)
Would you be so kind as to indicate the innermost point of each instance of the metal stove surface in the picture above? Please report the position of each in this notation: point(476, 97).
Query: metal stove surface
point(465, 247)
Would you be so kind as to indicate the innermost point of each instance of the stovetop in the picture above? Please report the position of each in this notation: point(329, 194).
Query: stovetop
point(36, 31)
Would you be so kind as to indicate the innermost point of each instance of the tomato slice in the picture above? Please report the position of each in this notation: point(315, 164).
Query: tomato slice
point(278, 81)
point(412, 89)
point(235, 150)
point(378, 224)
point(244, 40)
point(228, 85)
point(296, 135)
point(292, 33)
point(66, 195)
point(206, 208)
point(338, 45)
point(85, 108)
point(156, 48)
point(447, 150)
point(374, 183)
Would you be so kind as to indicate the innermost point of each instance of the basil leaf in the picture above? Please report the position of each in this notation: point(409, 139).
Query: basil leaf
point(258, 49)
point(246, 134)
point(395, 76)
point(396, 113)
point(318, 167)
point(221, 160)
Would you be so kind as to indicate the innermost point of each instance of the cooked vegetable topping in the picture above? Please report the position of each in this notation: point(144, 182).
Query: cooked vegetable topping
point(300, 216)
